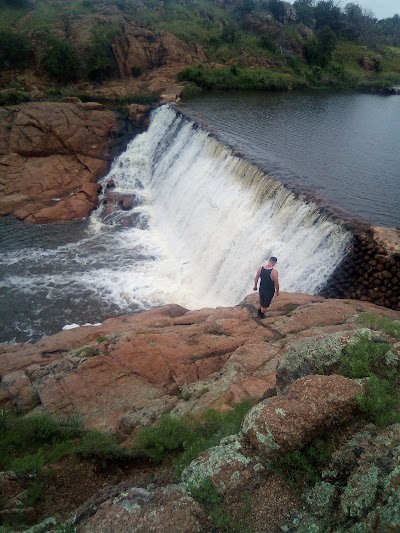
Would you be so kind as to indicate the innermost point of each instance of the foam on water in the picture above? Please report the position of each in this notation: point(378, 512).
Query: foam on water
point(207, 220)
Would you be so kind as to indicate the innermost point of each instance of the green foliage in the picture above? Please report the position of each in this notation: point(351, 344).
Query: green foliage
point(101, 63)
point(104, 450)
point(210, 497)
point(381, 323)
point(380, 402)
point(188, 436)
point(25, 441)
point(60, 61)
point(318, 51)
point(224, 78)
point(15, 50)
point(303, 467)
point(136, 71)
point(34, 493)
point(12, 97)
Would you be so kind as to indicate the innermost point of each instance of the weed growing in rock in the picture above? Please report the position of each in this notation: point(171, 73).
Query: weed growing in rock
point(188, 436)
point(303, 467)
point(210, 497)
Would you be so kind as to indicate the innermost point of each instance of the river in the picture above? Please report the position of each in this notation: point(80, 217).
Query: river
point(203, 221)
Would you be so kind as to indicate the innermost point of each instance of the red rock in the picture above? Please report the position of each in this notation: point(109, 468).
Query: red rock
point(312, 405)
point(50, 151)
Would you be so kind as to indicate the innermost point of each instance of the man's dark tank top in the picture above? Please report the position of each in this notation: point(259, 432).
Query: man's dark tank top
point(267, 283)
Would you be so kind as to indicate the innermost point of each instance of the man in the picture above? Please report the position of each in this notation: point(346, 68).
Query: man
point(268, 286)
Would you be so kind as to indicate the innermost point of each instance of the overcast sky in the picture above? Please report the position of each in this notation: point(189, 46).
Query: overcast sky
point(381, 8)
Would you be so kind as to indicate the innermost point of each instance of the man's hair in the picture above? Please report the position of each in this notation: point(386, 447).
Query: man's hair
point(273, 259)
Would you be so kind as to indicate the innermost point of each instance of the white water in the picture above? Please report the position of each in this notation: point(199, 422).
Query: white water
point(214, 218)
point(203, 222)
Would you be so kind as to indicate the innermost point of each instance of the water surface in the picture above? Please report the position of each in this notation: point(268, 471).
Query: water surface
point(342, 148)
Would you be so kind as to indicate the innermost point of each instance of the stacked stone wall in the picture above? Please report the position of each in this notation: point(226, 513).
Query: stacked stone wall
point(370, 272)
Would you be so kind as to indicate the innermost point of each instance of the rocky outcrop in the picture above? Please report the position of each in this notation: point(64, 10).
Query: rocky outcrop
point(311, 406)
point(359, 490)
point(51, 156)
point(371, 271)
point(128, 371)
point(230, 466)
point(163, 510)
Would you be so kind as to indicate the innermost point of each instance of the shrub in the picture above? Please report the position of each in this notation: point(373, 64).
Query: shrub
point(103, 449)
point(224, 78)
point(368, 359)
point(187, 437)
point(15, 50)
point(101, 63)
point(380, 403)
point(303, 467)
point(210, 497)
point(61, 61)
point(12, 97)
point(136, 71)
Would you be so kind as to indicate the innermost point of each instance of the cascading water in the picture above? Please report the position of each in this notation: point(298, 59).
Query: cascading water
point(185, 221)
point(218, 217)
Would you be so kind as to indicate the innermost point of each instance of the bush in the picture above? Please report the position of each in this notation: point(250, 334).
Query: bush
point(380, 403)
point(15, 50)
point(368, 359)
point(240, 79)
point(61, 61)
point(136, 71)
point(101, 63)
point(210, 497)
point(187, 437)
point(12, 97)
point(103, 449)
point(303, 467)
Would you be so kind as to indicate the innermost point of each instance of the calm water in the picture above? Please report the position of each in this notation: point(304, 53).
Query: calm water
point(341, 148)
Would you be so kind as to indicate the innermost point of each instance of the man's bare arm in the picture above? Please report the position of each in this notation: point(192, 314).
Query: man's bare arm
point(256, 279)
point(274, 276)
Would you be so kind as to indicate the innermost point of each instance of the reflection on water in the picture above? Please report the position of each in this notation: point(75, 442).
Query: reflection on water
point(343, 148)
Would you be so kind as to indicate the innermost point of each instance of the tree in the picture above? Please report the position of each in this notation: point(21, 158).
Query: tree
point(305, 11)
point(328, 14)
point(61, 61)
point(278, 9)
point(319, 50)
point(15, 50)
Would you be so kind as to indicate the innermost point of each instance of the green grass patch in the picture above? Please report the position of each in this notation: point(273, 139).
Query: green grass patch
point(382, 323)
point(234, 78)
point(186, 437)
point(368, 359)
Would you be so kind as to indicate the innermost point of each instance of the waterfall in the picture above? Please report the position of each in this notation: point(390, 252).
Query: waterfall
point(206, 219)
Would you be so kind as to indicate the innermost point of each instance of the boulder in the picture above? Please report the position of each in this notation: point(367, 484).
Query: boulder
point(50, 156)
point(361, 484)
point(165, 510)
point(230, 466)
point(315, 355)
point(312, 405)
